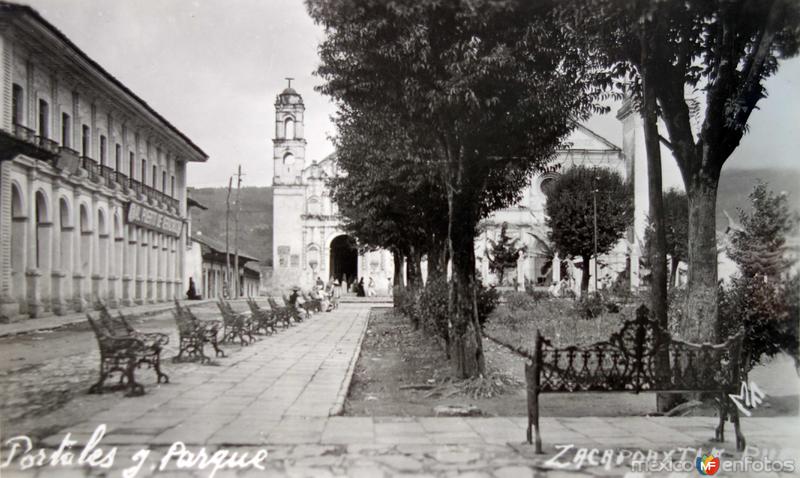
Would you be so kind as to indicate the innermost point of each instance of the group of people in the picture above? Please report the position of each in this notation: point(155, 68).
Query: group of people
point(369, 291)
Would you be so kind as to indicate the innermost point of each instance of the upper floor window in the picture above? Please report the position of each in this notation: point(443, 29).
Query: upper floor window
point(17, 104)
point(154, 178)
point(143, 177)
point(118, 158)
point(172, 186)
point(163, 181)
point(131, 165)
point(86, 138)
point(44, 119)
point(66, 130)
point(289, 128)
point(288, 159)
point(103, 150)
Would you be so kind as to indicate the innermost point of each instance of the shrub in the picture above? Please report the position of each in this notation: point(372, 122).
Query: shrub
point(589, 306)
point(766, 310)
point(432, 307)
point(405, 301)
point(488, 297)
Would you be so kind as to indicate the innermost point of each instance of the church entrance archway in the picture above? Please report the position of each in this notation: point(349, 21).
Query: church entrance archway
point(344, 259)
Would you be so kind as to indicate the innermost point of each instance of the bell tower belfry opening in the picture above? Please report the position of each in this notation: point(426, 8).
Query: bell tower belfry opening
point(289, 144)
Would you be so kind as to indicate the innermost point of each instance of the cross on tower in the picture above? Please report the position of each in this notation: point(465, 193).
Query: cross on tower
point(290, 81)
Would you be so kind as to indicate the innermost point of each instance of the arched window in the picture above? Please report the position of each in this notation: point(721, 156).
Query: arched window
point(288, 159)
point(289, 128)
point(18, 243)
point(547, 182)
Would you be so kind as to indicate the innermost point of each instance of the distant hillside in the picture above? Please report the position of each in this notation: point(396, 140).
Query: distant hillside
point(736, 184)
point(255, 218)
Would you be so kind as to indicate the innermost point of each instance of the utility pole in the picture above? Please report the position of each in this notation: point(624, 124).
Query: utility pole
point(236, 284)
point(594, 205)
point(226, 282)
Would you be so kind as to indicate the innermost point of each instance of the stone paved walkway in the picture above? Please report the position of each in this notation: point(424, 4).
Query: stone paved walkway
point(282, 393)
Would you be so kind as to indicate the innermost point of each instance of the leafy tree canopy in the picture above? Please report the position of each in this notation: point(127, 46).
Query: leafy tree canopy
point(570, 212)
point(759, 246)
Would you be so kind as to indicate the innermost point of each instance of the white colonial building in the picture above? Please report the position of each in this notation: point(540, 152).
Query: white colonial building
point(92, 180)
point(525, 220)
point(308, 242)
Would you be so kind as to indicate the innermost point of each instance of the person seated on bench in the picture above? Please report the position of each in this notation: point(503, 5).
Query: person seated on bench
point(293, 296)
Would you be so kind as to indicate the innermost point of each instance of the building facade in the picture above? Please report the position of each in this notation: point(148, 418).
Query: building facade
point(92, 181)
point(525, 221)
point(308, 242)
point(206, 264)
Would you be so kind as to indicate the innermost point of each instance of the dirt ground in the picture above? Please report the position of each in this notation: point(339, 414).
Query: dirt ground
point(400, 369)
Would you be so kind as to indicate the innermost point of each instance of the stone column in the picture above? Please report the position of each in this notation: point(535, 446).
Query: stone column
point(556, 269)
point(141, 268)
point(33, 279)
point(152, 272)
point(170, 266)
point(129, 265)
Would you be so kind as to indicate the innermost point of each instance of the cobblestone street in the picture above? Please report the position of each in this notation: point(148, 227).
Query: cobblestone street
point(42, 371)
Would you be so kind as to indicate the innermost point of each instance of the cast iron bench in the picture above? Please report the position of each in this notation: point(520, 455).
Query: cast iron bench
point(629, 362)
point(263, 319)
point(235, 324)
point(193, 334)
point(283, 315)
point(311, 304)
point(123, 349)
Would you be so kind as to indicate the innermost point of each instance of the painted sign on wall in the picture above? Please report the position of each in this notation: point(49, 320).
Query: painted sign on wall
point(151, 219)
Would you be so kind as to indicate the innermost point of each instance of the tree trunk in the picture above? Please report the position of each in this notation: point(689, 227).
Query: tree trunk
point(585, 269)
point(673, 271)
point(658, 247)
point(397, 280)
point(413, 276)
point(701, 321)
point(465, 344)
point(436, 260)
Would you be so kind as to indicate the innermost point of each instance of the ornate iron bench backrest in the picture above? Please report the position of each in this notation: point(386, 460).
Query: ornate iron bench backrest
point(640, 356)
point(273, 303)
point(186, 322)
point(100, 333)
point(114, 326)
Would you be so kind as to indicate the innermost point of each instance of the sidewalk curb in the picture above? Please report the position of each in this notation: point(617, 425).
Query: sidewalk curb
point(81, 317)
point(338, 406)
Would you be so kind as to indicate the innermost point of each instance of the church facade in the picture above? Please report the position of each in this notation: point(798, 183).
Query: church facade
point(308, 242)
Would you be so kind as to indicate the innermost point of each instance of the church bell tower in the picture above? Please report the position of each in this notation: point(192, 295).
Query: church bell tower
point(288, 189)
point(289, 145)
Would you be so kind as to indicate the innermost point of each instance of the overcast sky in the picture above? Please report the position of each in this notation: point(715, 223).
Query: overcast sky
point(214, 67)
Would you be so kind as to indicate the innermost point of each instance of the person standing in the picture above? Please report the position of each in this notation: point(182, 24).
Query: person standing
point(371, 287)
